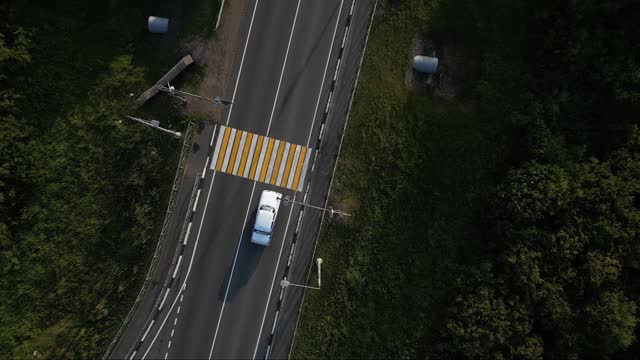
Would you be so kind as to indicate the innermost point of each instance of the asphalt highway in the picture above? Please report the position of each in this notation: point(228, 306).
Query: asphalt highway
point(226, 285)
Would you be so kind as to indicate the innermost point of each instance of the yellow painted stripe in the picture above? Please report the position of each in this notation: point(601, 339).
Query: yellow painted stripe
point(223, 148)
point(232, 158)
point(256, 155)
point(276, 166)
point(267, 157)
point(287, 168)
point(299, 165)
point(245, 152)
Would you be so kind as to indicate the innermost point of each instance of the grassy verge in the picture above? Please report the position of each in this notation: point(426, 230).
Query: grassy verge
point(416, 168)
point(201, 18)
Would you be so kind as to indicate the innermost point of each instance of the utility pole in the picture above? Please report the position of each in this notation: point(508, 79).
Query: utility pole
point(331, 210)
point(156, 125)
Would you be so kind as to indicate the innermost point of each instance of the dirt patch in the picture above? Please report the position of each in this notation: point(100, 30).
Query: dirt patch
point(218, 54)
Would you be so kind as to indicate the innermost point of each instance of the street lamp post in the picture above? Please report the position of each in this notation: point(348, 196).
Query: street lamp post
point(285, 283)
point(155, 124)
point(329, 209)
point(217, 101)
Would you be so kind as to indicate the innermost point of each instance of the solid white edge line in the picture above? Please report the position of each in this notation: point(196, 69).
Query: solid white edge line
point(275, 273)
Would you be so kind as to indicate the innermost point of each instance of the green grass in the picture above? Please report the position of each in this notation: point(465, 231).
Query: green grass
point(93, 191)
point(415, 171)
point(202, 16)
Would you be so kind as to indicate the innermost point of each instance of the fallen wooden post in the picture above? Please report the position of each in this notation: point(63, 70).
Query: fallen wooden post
point(169, 76)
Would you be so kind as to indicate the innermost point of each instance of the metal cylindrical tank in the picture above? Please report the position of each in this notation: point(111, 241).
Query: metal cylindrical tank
point(158, 25)
point(425, 64)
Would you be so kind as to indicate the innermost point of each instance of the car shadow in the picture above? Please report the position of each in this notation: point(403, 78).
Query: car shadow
point(246, 264)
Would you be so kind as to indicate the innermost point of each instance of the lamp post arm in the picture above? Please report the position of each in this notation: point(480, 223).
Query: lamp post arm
point(147, 123)
point(286, 283)
point(331, 210)
point(173, 90)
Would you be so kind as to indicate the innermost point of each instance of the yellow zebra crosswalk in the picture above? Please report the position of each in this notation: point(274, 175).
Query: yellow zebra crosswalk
point(260, 158)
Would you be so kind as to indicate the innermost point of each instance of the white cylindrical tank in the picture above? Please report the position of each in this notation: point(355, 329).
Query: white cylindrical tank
point(158, 25)
point(425, 64)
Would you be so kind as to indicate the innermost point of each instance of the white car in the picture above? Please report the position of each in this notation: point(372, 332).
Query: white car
point(266, 217)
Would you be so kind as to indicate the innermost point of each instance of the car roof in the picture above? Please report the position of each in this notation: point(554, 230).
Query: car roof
point(264, 218)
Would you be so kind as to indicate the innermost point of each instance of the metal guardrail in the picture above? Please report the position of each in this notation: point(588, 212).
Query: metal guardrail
point(185, 154)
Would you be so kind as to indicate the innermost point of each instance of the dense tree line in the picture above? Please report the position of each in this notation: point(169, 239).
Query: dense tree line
point(501, 224)
point(559, 275)
point(81, 191)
